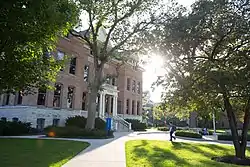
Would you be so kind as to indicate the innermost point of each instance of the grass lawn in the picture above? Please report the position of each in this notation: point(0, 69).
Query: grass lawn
point(143, 153)
point(37, 153)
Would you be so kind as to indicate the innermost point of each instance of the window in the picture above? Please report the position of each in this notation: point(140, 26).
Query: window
point(70, 97)
point(72, 67)
point(128, 83)
point(138, 108)
point(83, 100)
point(41, 96)
point(15, 119)
point(20, 97)
point(113, 81)
point(55, 122)
point(108, 80)
point(138, 87)
point(127, 107)
point(86, 73)
point(133, 86)
point(133, 107)
point(60, 55)
point(57, 95)
point(40, 123)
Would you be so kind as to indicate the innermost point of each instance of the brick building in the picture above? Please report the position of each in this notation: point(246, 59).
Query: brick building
point(121, 96)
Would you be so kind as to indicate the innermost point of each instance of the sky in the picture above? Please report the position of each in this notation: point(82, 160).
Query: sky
point(155, 68)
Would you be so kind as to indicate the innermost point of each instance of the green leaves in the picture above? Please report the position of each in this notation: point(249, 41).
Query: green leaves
point(208, 56)
point(28, 29)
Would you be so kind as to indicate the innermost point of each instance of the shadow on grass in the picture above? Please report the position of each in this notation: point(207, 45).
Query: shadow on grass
point(156, 155)
point(166, 154)
point(37, 153)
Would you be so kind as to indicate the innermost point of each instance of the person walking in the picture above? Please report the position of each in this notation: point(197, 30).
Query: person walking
point(171, 131)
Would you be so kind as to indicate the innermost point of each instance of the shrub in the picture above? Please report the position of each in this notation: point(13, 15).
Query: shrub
point(137, 125)
point(8, 128)
point(163, 128)
point(80, 121)
point(76, 132)
point(100, 124)
point(229, 137)
point(184, 133)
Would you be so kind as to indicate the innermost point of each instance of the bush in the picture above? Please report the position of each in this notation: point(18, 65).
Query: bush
point(76, 132)
point(80, 121)
point(229, 137)
point(163, 128)
point(100, 124)
point(190, 134)
point(137, 125)
point(8, 128)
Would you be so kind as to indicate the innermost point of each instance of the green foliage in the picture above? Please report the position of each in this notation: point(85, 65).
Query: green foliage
point(185, 133)
point(137, 125)
point(25, 41)
point(229, 137)
point(8, 128)
point(163, 128)
point(80, 121)
point(76, 132)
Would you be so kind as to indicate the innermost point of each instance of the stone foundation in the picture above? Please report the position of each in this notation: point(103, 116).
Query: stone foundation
point(31, 114)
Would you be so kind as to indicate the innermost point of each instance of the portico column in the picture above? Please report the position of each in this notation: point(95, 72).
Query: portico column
point(100, 104)
point(114, 105)
point(103, 104)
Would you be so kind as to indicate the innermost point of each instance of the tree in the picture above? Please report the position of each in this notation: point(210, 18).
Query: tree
point(124, 24)
point(207, 54)
point(29, 30)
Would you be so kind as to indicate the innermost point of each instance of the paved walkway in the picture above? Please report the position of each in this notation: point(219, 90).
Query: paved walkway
point(111, 152)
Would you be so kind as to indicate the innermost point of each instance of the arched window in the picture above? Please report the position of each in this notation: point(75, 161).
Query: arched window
point(41, 96)
point(70, 97)
point(57, 95)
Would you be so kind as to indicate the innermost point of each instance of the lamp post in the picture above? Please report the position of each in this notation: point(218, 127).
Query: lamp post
point(214, 124)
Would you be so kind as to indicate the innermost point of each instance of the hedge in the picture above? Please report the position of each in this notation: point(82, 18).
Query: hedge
point(163, 128)
point(8, 128)
point(80, 121)
point(76, 132)
point(229, 137)
point(137, 125)
point(184, 133)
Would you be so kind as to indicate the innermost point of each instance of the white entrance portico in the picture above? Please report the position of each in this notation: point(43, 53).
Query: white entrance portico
point(111, 91)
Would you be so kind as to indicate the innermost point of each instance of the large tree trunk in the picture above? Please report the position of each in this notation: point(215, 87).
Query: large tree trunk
point(91, 110)
point(95, 85)
point(240, 143)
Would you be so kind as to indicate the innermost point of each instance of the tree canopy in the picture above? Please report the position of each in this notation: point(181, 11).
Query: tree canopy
point(208, 61)
point(29, 30)
point(125, 25)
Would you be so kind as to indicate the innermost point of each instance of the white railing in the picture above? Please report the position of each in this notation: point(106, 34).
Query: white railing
point(123, 121)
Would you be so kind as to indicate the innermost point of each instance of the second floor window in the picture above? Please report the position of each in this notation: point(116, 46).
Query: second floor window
point(138, 87)
point(57, 95)
point(113, 81)
point(72, 67)
point(41, 96)
point(133, 86)
point(19, 98)
point(86, 73)
point(128, 83)
point(70, 97)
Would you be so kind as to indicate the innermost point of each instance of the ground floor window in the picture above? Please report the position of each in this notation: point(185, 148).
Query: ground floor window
point(41, 96)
